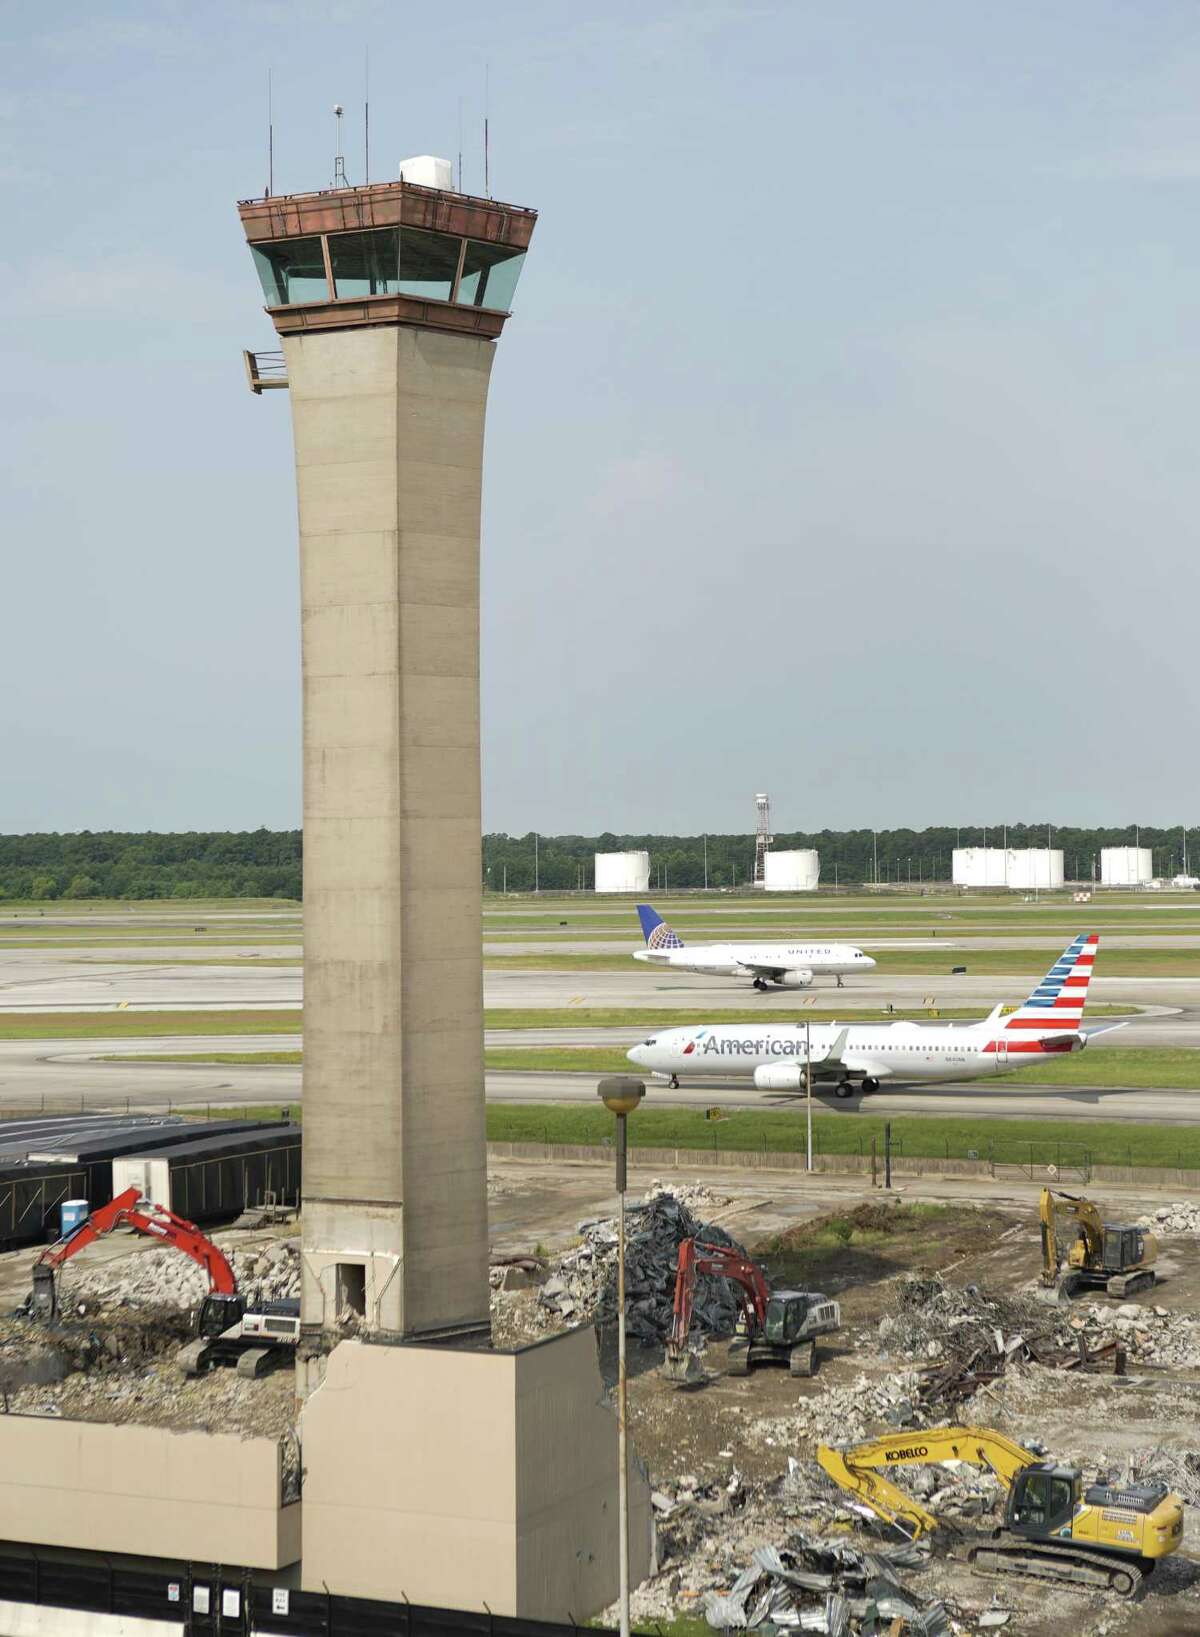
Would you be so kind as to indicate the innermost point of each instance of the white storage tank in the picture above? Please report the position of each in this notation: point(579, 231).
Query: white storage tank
point(1035, 867)
point(1126, 866)
point(980, 867)
point(622, 872)
point(792, 872)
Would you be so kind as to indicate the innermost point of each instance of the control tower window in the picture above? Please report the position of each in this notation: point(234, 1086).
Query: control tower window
point(394, 261)
point(489, 276)
point(291, 270)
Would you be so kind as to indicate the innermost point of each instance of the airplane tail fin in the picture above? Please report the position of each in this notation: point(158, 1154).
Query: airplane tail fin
point(657, 933)
point(1058, 1001)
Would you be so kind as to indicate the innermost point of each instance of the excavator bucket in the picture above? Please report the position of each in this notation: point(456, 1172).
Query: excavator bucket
point(683, 1369)
point(44, 1297)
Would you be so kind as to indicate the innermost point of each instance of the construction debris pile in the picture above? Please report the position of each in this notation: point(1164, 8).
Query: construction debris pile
point(974, 1335)
point(827, 1586)
point(160, 1277)
point(847, 1414)
point(1176, 1220)
point(583, 1286)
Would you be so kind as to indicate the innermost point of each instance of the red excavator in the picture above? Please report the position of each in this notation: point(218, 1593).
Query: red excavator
point(775, 1326)
point(224, 1331)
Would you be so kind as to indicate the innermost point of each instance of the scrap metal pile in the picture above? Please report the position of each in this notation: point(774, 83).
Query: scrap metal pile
point(584, 1284)
point(827, 1586)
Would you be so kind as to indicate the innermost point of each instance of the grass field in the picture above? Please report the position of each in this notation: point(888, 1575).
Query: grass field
point(1062, 1142)
point(1107, 1143)
point(130, 1025)
point(141, 1025)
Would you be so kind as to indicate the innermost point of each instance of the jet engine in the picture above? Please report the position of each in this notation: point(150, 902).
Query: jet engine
point(798, 979)
point(779, 1076)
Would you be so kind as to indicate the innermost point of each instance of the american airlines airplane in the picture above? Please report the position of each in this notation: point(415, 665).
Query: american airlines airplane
point(790, 966)
point(864, 1054)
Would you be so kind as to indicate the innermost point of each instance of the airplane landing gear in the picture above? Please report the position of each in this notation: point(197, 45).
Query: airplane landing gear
point(870, 1083)
point(673, 1082)
point(845, 1088)
point(760, 984)
point(840, 984)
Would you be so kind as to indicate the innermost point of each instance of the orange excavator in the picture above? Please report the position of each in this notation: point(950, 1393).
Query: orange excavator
point(222, 1328)
point(775, 1326)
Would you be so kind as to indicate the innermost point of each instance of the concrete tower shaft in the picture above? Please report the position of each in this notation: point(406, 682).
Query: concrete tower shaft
point(388, 300)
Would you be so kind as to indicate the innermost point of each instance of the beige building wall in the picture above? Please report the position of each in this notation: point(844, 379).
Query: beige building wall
point(388, 425)
point(210, 1497)
point(468, 1477)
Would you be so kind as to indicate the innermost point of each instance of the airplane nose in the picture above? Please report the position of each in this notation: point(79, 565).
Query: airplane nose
point(867, 961)
point(634, 1054)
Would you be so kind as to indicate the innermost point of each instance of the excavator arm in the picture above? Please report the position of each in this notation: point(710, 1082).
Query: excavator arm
point(696, 1257)
point(858, 1469)
point(1089, 1220)
point(143, 1216)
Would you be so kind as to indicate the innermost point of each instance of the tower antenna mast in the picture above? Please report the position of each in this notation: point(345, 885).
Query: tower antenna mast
point(366, 116)
point(339, 164)
point(270, 138)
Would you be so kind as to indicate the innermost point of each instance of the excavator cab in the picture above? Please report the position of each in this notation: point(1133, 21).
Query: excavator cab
point(1042, 1501)
point(786, 1317)
point(216, 1314)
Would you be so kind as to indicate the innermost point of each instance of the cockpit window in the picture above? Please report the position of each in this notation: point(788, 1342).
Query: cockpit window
point(653, 1041)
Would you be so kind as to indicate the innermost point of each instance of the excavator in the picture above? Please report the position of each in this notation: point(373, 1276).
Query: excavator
point(775, 1327)
point(1102, 1536)
point(224, 1329)
point(1117, 1260)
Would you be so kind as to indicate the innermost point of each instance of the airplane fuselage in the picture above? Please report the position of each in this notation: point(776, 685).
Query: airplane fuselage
point(743, 960)
point(896, 1051)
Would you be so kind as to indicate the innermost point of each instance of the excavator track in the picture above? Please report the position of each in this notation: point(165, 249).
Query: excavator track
point(1065, 1565)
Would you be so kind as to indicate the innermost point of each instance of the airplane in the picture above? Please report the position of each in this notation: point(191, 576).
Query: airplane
point(789, 966)
point(865, 1054)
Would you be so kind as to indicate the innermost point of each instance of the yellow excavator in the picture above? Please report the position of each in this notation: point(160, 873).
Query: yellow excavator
point(1099, 1537)
point(1118, 1260)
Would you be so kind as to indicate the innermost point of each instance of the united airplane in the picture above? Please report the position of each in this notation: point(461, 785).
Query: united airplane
point(864, 1055)
point(789, 966)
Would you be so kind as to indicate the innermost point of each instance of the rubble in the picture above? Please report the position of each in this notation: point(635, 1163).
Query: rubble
point(693, 1196)
point(161, 1277)
point(1180, 1218)
point(583, 1284)
point(972, 1335)
point(846, 1414)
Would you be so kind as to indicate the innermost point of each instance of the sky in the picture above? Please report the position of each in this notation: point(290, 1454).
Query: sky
point(842, 443)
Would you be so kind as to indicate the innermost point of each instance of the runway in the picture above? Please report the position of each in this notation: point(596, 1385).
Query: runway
point(63, 980)
point(36, 1074)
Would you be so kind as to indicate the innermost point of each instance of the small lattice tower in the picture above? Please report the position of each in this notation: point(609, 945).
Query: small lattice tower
point(762, 838)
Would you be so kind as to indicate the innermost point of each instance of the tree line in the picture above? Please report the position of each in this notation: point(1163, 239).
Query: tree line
point(269, 863)
point(114, 864)
point(848, 857)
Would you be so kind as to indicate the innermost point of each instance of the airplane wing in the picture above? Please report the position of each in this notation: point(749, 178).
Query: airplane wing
point(759, 970)
point(1102, 1028)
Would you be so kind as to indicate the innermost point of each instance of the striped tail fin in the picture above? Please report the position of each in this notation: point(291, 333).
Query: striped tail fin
point(657, 933)
point(1058, 1001)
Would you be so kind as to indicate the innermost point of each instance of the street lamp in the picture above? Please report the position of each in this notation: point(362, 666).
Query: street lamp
point(621, 1094)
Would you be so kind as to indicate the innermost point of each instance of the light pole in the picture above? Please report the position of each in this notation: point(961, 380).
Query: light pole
point(808, 1099)
point(706, 861)
point(621, 1094)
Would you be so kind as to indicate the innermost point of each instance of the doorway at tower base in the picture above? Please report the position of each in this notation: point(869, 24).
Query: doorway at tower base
point(471, 1478)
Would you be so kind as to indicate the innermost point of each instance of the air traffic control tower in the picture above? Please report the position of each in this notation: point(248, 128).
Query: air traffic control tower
point(389, 300)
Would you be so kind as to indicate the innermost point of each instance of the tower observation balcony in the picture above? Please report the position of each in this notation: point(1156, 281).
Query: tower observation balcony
point(389, 253)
